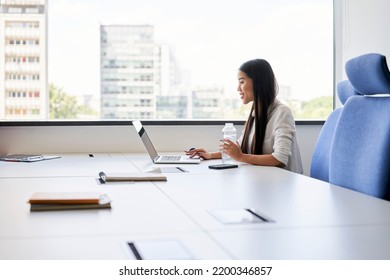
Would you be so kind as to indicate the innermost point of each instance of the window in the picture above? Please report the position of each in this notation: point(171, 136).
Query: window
point(144, 59)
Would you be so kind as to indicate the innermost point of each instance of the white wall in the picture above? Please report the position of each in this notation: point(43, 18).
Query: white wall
point(363, 26)
point(103, 139)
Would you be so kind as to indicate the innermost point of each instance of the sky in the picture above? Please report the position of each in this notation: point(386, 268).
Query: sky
point(209, 38)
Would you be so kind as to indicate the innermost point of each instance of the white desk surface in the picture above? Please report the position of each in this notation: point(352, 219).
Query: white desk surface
point(106, 247)
point(313, 219)
point(136, 208)
point(288, 199)
point(370, 242)
point(68, 165)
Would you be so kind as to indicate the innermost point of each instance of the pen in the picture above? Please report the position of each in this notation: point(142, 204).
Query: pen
point(181, 169)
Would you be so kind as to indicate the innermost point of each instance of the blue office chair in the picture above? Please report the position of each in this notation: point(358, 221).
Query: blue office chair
point(360, 152)
point(319, 168)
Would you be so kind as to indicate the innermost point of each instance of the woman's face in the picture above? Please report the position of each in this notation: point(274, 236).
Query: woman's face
point(245, 87)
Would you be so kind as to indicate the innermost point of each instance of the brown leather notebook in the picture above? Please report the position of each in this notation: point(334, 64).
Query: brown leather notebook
point(48, 201)
point(65, 198)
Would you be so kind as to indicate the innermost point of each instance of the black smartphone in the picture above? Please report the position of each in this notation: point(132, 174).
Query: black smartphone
point(223, 166)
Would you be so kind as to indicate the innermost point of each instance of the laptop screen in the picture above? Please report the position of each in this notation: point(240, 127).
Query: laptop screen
point(146, 140)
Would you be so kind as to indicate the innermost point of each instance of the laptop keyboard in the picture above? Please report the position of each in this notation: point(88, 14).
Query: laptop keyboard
point(171, 158)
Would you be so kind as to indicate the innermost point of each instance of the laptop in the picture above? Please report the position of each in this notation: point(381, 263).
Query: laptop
point(153, 153)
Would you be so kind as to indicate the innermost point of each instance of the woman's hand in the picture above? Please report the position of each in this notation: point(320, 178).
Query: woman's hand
point(232, 149)
point(200, 152)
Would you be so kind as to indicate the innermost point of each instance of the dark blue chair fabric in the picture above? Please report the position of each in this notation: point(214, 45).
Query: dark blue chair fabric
point(319, 167)
point(360, 151)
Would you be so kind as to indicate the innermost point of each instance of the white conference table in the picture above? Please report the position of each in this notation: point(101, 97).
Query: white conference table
point(311, 219)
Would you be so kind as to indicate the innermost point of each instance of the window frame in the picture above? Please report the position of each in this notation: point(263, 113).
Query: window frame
point(145, 122)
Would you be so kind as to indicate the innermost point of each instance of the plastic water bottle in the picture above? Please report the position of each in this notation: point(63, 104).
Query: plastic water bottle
point(228, 132)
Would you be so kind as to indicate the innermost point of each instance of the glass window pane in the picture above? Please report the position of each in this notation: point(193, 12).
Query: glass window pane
point(155, 59)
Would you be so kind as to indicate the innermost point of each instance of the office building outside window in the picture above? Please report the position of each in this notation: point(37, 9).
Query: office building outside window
point(143, 59)
point(140, 78)
point(132, 67)
point(23, 51)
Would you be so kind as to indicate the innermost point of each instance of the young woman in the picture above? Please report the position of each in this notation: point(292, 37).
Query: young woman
point(269, 136)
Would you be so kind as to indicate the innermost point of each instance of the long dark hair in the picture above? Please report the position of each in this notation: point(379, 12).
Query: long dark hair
point(264, 92)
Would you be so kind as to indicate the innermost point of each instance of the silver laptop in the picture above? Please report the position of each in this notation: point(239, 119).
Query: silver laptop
point(153, 153)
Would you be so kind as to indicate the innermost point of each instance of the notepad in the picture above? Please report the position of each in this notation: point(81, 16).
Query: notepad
point(239, 216)
point(162, 249)
point(139, 176)
point(26, 158)
point(46, 201)
point(169, 169)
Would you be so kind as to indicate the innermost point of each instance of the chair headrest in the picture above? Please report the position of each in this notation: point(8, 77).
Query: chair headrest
point(369, 74)
point(345, 90)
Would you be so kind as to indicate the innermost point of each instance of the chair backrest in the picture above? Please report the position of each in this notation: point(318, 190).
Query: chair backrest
point(319, 168)
point(360, 151)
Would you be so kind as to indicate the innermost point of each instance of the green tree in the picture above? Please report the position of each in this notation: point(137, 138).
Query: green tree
point(317, 108)
point(64, 106)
